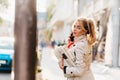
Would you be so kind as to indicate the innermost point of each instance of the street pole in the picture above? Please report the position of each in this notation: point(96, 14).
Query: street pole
point(25, 40)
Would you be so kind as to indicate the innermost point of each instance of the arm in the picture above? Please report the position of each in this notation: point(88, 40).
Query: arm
point(80, 68)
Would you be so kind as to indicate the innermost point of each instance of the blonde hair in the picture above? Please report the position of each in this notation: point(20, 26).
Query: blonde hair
point(89, 26)
point(91, 37)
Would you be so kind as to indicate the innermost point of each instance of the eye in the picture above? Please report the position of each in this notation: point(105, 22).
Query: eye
point(77, 27)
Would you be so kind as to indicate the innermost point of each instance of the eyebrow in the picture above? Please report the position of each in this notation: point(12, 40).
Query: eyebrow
point(77, 25)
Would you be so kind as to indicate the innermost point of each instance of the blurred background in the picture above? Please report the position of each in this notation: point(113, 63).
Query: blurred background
point(54, 21)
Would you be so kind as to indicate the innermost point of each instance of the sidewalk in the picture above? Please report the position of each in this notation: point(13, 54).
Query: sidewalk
point(115, 73)
point(102, 72)
point(51, 71)
point(49, 64)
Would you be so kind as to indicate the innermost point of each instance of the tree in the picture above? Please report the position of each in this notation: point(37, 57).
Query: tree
point(3, 5)
point(1, 20)
point(50, 10)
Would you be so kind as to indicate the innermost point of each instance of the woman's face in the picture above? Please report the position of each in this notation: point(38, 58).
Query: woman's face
point(78, 29)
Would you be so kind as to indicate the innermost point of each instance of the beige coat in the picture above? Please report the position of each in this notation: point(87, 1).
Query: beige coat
point(82, 60)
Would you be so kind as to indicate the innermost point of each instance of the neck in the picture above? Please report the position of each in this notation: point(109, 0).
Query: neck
point(76, 39)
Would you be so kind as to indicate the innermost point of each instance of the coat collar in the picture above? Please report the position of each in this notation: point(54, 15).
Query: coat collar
point(77, 39)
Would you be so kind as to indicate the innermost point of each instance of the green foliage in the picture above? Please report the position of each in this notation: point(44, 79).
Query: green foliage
point(47, 34)
point(49, 11)
point(1, 20)
point(4, 4)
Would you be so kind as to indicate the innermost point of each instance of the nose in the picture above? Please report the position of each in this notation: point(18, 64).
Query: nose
point(74, 29)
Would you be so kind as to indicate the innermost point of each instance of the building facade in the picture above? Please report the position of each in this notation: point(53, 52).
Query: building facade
point(107, 12)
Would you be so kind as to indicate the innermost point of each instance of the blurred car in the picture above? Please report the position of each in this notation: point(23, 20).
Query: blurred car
point(6, 53)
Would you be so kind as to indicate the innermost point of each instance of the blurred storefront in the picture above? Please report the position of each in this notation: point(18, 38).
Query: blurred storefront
point(107, 13)
point(64, 14)
point(41, 25)
point(104, 11)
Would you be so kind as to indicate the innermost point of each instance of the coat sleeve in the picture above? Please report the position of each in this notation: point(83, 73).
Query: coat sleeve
point(79, 50)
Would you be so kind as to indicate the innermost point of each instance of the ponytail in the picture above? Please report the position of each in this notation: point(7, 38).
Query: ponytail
point(91, 36)
point(89, 28)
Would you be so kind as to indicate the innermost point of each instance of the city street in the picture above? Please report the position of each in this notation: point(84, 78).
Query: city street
point(51, 71)
point(5, 76)
point(33, 26)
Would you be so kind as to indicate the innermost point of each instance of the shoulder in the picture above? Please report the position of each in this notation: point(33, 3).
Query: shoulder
point(82, 43)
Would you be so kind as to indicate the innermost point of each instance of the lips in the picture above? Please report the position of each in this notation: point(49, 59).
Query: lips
point(74, 33)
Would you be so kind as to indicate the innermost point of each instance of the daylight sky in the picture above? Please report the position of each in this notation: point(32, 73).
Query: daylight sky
point(10, 13)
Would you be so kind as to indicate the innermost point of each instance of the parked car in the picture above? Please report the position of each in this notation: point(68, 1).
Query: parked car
point(6, 53)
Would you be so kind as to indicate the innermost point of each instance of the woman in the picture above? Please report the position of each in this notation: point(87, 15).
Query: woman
point(84, 37)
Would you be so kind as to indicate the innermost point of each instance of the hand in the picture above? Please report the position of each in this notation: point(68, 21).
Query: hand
point(70, 43)
point(61, 63)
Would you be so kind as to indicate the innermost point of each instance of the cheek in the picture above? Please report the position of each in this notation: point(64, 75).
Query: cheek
point(78, 33)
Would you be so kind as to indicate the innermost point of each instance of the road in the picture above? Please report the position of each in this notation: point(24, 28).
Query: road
point(5, 76)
